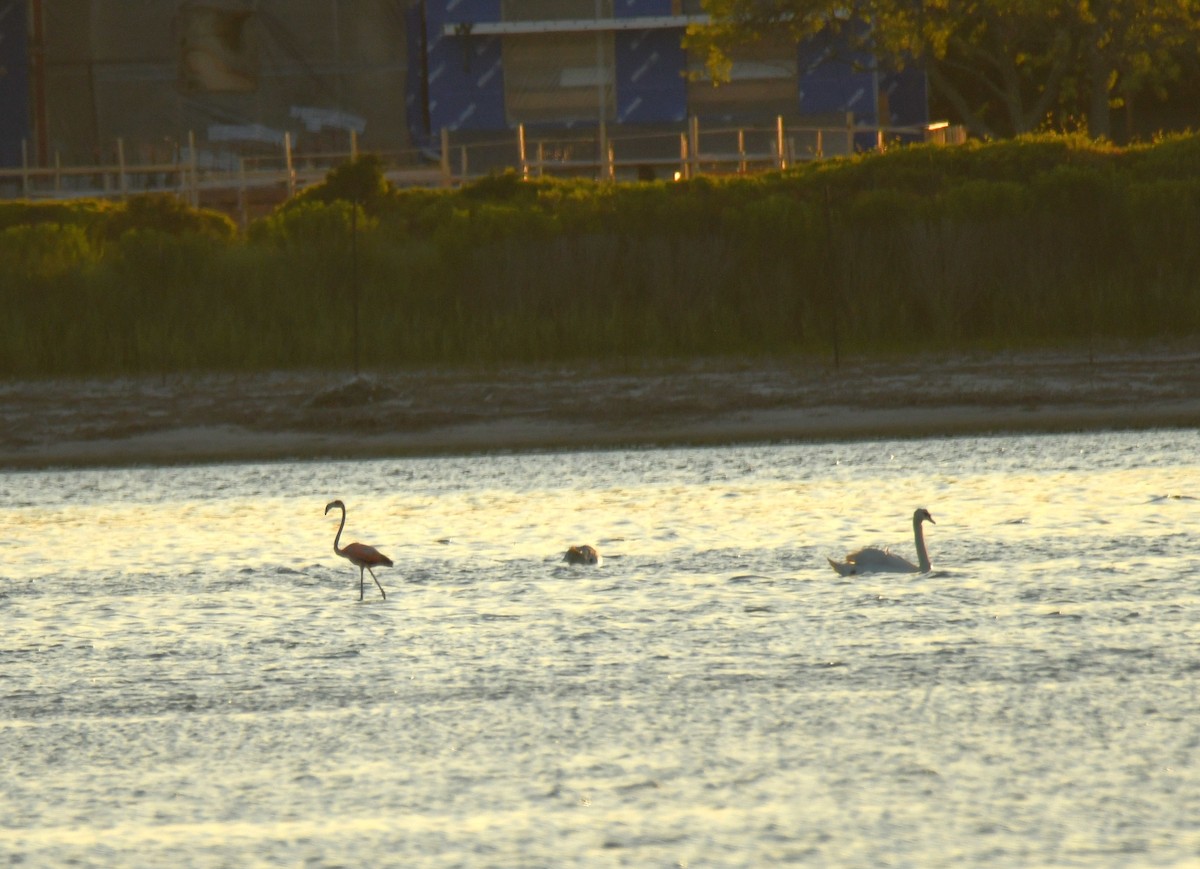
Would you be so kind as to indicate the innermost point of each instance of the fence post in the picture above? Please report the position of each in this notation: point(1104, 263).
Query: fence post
point(820, 144)
point(521, 152)
point(693, 146)
point(193, 171)
point(287, 160)
point(601, 148)
point(741, 152)
point(779, 143)
point(541, 158)
point(446, 156)
point(684, 170)
point(242, 192)
point(121, 167)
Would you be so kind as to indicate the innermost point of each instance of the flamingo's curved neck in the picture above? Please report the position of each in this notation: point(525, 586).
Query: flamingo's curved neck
point(922, 554)
point(338, 536)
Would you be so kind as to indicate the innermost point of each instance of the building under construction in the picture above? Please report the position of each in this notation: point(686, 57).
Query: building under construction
point(229, 79)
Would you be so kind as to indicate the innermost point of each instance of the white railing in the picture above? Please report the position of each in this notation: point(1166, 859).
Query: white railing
point(229, 179)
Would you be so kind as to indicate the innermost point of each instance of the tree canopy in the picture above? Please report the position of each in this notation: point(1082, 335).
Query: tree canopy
point(1005, 66)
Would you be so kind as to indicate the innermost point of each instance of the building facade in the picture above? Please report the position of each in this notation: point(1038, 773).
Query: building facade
point(489, 65)
point(236, 76)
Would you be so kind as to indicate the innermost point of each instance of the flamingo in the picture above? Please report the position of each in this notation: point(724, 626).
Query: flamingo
point(582, 555)
point(359, 554)
point(872, 560)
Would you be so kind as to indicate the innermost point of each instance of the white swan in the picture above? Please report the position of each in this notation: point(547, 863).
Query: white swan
point(872, 560)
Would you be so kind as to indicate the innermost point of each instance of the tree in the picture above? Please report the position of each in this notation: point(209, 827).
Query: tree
point(1005, 66)
point(1128, 47)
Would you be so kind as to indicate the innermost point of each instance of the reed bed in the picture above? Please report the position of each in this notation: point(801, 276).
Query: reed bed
point(1035, 242)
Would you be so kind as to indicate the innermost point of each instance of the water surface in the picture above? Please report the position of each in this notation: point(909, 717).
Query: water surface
point(187, 676)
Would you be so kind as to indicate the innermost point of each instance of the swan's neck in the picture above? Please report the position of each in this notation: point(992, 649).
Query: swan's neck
point(338, 536)
point(922, 554)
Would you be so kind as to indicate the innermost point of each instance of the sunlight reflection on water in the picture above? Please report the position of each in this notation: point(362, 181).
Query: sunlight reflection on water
point(189, 678)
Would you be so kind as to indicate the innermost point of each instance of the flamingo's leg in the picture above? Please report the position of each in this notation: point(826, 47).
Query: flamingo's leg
point(381, 591)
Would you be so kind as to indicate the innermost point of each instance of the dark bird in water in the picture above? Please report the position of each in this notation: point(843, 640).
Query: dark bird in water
point(359, 554)
point(582, 555)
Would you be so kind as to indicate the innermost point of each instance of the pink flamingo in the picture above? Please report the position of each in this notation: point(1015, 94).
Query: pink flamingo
point(359, 554)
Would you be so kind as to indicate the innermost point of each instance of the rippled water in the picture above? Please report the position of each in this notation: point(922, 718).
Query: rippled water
point(187, 676)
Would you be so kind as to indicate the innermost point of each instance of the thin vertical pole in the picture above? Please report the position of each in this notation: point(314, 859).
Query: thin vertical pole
point(779, 142)
point(521, 152)
point(693, 146)
point(242, 193)
point(831, 275)
point(742, 151)
point(193, 172)
point(601, 147)
point(121, 167)
point(287, 161)
point(684, 159)
point(445, 156)
point(354, 274)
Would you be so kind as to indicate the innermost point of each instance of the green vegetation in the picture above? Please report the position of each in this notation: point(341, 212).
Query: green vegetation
point(1001, 67)
point(1030, 242)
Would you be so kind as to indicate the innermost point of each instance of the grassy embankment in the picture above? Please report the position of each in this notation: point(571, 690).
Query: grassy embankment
point(1037, 242)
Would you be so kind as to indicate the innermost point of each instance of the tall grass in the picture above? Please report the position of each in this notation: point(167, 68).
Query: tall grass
point(1031, 242)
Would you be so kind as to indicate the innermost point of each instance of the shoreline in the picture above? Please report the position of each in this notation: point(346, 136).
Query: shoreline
point(328, 415)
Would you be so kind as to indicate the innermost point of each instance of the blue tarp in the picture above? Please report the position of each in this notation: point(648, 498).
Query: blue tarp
point(457, 81)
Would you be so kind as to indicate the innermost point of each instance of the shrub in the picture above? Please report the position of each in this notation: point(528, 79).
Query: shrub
point(164, 212)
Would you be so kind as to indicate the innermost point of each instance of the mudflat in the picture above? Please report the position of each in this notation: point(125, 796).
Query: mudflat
point(311, 415)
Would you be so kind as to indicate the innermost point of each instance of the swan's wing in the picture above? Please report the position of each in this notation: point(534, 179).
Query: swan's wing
point(873, 560)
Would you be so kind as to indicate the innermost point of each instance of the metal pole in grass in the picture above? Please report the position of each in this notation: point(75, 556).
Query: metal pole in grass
point(354, 273)
point(831, 275)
